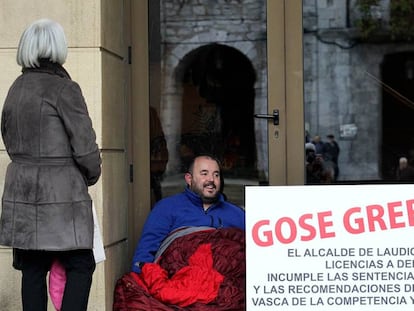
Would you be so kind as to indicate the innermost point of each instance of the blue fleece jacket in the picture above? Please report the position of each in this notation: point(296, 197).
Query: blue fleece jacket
point(182, 210)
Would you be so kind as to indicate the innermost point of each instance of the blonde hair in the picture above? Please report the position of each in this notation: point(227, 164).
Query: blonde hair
point(44, 38)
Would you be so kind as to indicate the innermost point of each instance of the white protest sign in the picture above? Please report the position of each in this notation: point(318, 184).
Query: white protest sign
point(330, 248)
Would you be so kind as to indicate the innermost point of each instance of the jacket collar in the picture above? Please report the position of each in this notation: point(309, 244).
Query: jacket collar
point(47, 66)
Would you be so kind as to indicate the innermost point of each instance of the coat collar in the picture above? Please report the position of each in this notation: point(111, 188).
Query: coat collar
point(47, 66)
point(196, 199)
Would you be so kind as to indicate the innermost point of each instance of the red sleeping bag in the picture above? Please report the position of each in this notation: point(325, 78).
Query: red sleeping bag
point(203, 270)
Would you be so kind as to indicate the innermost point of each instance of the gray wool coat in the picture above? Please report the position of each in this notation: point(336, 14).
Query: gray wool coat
point(49, 137)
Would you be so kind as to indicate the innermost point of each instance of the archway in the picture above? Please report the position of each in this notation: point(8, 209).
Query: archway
point(218, 107)
point(397, 111)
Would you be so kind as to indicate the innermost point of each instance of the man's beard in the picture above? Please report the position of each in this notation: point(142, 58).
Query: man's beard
point(211, 200)
point(206, 200)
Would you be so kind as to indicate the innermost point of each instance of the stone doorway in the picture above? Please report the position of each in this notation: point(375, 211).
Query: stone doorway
point(218, 107)
point(397, 111)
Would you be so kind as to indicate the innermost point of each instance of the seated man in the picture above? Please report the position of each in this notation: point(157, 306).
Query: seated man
point(201, 205)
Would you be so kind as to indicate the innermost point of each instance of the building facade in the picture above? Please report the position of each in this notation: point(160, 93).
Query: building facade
point(244, 79)
point(357, 80)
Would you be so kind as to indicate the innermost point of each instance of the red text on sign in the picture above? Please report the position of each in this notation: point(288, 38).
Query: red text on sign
point(377, 217)
point(287, 230)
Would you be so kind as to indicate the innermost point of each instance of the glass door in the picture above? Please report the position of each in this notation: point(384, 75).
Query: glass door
point(217, 72)
point(359, 91)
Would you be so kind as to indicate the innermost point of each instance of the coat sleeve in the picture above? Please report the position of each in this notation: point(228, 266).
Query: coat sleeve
point(72, 109)
point(156, 229)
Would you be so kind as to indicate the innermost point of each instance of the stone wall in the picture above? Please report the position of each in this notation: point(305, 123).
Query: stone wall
point(339, 83)
point(188, 25)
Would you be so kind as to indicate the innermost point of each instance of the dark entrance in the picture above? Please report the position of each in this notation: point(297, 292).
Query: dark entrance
point(218, 107)
point(397, 111)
